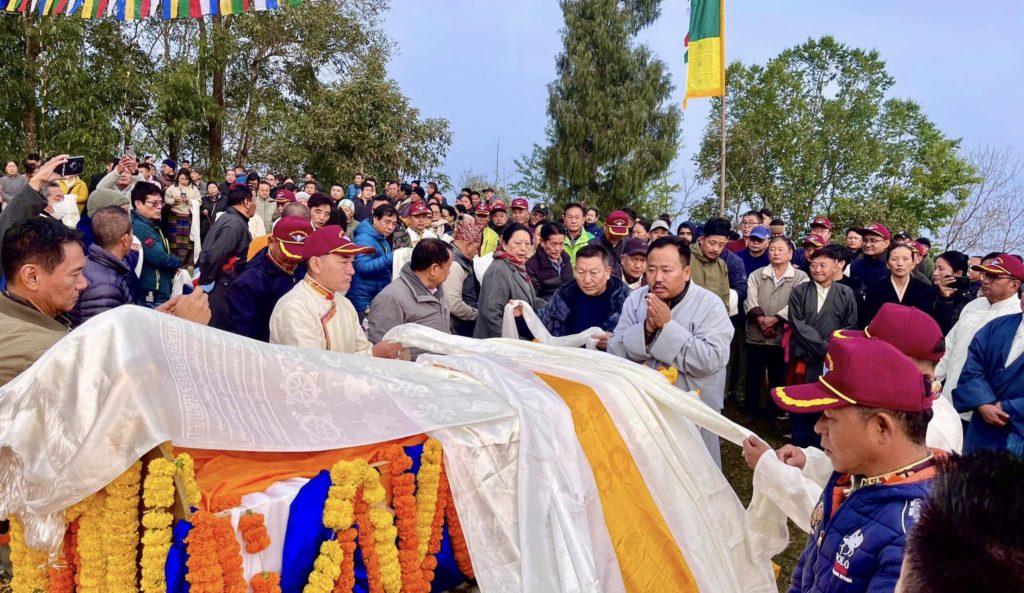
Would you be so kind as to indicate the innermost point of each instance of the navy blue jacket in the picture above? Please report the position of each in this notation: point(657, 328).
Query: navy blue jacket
point(254, 294)
point(751, 263)
point(110, 283)
point(737, 276)
point(373, 270)
point(557, 314)
point(869, 270)
point(860, 547)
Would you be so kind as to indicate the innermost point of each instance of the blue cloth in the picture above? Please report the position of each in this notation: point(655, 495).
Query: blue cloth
point(175, 569)
point(861, 544)
point(84, 226)
point(373, 270)
point(255, 292)
point(985, 380)
point(570, 311)
point(306, 531)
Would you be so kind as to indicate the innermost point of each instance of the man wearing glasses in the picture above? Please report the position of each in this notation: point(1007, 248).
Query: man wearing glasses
point(873, 267)
point(1000, 286)
point(158, 265)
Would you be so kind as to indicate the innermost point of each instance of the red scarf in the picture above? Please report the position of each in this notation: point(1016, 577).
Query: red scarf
point(515, 261)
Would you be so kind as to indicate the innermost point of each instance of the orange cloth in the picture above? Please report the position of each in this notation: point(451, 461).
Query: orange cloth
point(224, 476)
point(648, 555)
point(256, 246)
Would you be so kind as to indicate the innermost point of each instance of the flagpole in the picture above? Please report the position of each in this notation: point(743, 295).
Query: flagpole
point(721, 21)
point(721, 202)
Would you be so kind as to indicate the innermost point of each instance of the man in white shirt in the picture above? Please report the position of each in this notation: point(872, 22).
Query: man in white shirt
point(315, 314)
point(999, 290)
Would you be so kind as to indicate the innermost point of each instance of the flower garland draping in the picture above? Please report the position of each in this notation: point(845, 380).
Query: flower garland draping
point(92, 570)
point(367, 542)
point(30, 565)
point(229, 555)
point(459, 548)
point(266, 582)
point(254, 532)
point(157, 496)
point(428, 480)
point(187, 472)
point(429, 563)
point(326, 568)
point(61, 576)
point(403, 499)
point(120, 530)
point(204, 573)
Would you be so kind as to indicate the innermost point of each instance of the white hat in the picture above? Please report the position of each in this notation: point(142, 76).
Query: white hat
point(660, 224)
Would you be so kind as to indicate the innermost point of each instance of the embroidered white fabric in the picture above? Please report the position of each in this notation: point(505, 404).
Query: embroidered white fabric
point(131, 378)
point(586, 338)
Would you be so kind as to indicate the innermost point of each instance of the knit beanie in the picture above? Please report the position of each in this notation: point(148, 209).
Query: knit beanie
point(101, 198)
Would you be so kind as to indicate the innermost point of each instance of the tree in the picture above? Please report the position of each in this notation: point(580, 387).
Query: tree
point(992, 217)
point(613, 131)
point(811, 132)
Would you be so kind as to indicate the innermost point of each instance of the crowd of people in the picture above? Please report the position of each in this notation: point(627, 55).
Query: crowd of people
point(860, 345)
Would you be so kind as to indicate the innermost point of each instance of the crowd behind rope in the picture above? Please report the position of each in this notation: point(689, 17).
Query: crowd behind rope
point(862, 347)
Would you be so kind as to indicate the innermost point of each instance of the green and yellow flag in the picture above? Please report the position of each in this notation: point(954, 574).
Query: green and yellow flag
point(705, 50)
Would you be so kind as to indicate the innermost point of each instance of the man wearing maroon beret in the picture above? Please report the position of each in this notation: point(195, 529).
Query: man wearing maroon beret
point(267, 277)
point(992, 380)
point(315, 314)
point(875, 408)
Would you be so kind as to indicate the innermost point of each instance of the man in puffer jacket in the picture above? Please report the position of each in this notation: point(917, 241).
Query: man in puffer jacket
point(109, 264)
point(875, 407)
point(373, 271)
point(593, 299)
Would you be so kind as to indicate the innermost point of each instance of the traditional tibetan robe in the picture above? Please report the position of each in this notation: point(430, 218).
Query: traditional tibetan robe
point(311, 316)
point(695, 342)
point(994, 372)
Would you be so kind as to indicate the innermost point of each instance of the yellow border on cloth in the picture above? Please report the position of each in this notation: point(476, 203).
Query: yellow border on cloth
point(649, 558)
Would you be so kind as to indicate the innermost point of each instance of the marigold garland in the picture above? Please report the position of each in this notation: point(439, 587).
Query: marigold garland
point(266, 582)
point(347, 580)
point(403, 489)
point(157, 495)
point(204, 572)
point(427, 482)
point(384, 533)
point(429, 563)
point(367, 542)
point(254, 532)
point(224, 502)
point(459, 548)
point(61, 576)
point(120, 530)
point(229, 555)
point(187, 472)
point(326, 568)
point(29, 565)
point(92, 571)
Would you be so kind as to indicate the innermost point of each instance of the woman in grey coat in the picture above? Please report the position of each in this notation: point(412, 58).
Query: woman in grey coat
point(506, 279)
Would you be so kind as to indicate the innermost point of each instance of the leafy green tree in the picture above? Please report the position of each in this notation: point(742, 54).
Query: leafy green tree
point(812, 132)
point(613, 130)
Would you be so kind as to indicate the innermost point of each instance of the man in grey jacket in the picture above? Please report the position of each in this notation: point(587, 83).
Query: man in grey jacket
point(417, 295)
point(674, 323)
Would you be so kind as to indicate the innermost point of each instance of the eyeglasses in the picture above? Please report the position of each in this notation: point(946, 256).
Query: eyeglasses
point(873, 240)
point(154, 203)
point(986, 276)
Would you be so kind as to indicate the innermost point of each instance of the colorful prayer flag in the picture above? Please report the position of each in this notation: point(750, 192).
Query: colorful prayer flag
point(705, 50)
point(128, 10)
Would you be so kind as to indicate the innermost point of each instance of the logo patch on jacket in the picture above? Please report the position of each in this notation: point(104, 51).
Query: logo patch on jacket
point(817, 515)
point(842, 564)
point(149, 242)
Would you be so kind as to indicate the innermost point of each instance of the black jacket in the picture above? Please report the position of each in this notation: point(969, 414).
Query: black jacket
point(228, 237)
point(254, 294)
point(545, 277)
point(918, 294)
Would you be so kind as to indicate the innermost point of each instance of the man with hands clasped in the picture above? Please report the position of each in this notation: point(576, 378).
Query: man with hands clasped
point(674, 323)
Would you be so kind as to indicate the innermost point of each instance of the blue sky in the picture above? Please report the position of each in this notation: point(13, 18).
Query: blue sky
point(484, 64)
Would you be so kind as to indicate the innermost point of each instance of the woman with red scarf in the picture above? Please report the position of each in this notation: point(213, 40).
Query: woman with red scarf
point(506, 279)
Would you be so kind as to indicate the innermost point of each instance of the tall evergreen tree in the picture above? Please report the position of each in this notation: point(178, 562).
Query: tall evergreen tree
point(613, 131)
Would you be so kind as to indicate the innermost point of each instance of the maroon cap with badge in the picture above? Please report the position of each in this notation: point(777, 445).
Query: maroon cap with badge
point(419, 209)
point(1003, 265)
point(519, 203)
point(291, 233)
point(331, 239)
point(879, 229)
point(498, 206)
point(284, 196)
point(483, 209)
point(821, 221)
point(912, 331)
point(617, 223)
point(861, 372)
point(816, 241)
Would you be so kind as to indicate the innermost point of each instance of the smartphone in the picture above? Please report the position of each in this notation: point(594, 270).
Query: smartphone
point(129, 151)
point(961, 282)
point(74, 166)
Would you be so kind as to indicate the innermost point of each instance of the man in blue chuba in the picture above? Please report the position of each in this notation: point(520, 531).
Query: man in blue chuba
point(992, 381)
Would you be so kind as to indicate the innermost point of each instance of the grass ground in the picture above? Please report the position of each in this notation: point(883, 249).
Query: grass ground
point(740, 476)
